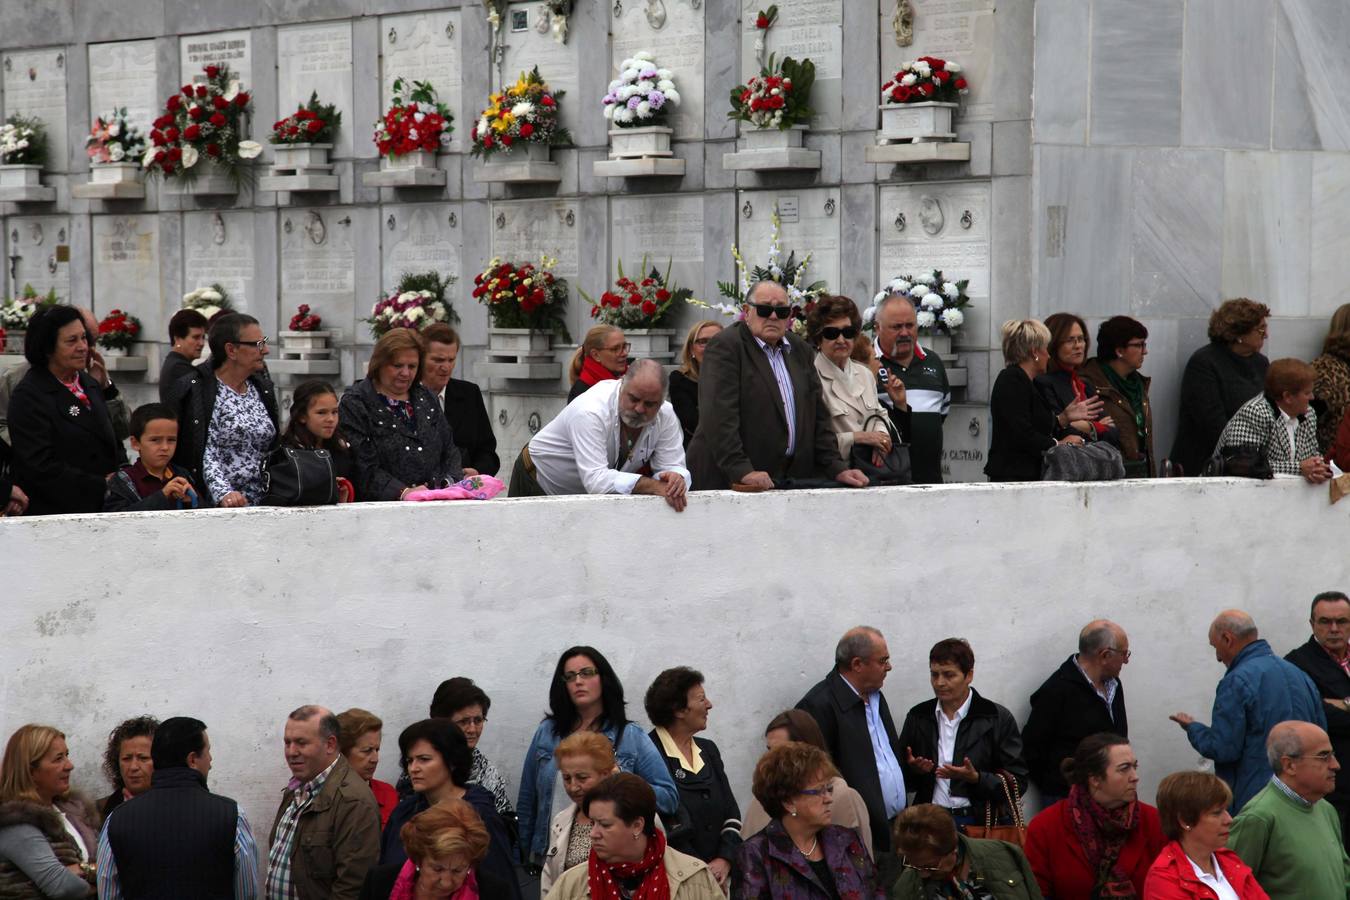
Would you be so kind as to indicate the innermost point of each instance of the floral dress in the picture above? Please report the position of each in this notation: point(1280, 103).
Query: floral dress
point(237, 441)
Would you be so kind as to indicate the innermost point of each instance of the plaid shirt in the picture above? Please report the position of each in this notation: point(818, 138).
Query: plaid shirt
point(1257, 424)
point(279, 886)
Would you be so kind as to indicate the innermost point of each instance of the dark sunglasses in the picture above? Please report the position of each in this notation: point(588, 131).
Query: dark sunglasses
point(830, 333)
point(768, 310)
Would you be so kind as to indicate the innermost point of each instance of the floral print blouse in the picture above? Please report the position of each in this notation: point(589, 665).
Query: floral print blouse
point(236, 444)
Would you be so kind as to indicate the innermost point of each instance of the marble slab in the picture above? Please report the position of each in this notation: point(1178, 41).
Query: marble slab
point(1313, 112)
point(234, 48)
point(35, 85)
point(559, 64)
point(1330, 249)
point(1229, 43)
point(218, 249)
point(126, 269)
point(811, 29)
point(965, 443)
point(318, 265)
point(124, 74)
point(1061, 58)
point(524, 230)
point(666, 229)
point(964, 31)
point(939, 225)
point(318, 58)
point(423, 237)
point(811, 224)
point(1136, 72)
point(676, 40)
point(1267, 229)
point(38, 241)
point(426, 46)
point(1176, 238)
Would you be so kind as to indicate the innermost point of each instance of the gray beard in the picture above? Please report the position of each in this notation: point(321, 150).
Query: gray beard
point(632, 419)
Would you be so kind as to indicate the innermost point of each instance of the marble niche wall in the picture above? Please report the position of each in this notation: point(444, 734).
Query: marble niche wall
point(68, 61)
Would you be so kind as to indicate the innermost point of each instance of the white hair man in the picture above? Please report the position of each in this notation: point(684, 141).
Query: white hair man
point(927, 392)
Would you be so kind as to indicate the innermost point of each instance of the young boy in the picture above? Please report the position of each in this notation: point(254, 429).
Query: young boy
point(153, 482)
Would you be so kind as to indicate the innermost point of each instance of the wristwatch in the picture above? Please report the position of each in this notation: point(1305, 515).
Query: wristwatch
point(89, 872)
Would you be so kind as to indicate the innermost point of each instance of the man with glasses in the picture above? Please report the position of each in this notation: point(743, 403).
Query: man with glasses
point(1325, 658)
point(762, 420)
point(1288, 833)
point(1259, 691)
point(927, 393)
point(1084, 696)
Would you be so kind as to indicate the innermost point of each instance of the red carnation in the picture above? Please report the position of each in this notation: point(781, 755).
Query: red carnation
point(762, 21)
point(487, 141)
point(314, 126)
point(175, 153)
point(174, 103)
point(172, 134)
point(241, 100)
point(663, 295)
point(648, 308)
point(961, 84)
point(219, 120)
point(187, 91)
point(521, 290)
point(526, 129)
point(164, 121)
point(196, 113)
point(546, 100)
point(635, 299)
point(157, 138)
point(538, 295)
point(943, 76)
point(212, 71)
point(212, 149)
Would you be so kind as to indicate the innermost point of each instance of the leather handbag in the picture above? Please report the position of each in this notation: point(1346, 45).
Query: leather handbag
point(1096, 461)
point(895, 465)
point(990, 830)
point(300, 477)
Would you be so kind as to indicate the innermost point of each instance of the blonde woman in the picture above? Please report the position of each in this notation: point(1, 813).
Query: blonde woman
point(603, 355)
point(684, 380)
point(584, 760)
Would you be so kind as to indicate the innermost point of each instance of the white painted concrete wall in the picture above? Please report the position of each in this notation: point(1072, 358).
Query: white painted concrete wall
point(238, 616)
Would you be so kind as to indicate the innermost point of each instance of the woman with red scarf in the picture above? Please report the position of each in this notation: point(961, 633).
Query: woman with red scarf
point(1063, 385)
point(1100, 842)
point(445, 844)
point(629, 857)
point(603, 355)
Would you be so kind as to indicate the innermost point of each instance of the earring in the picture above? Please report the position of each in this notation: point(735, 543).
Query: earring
point(793, 812)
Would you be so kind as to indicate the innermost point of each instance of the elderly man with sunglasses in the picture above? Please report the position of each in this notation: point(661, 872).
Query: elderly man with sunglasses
point(762, 420)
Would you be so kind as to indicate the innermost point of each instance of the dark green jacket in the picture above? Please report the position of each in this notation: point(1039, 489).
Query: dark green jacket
point(1001, 867)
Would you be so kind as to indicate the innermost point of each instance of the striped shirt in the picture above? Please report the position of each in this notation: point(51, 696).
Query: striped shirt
point(279, 884)
point(245, 864)
point(929, 396)
point(778, 362)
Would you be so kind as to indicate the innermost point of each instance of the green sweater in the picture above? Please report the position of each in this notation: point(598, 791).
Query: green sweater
point(1295, 850)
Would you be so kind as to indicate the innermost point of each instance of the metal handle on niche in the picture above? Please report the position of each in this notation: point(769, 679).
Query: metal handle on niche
point(747, 210)
point(345, 220)
point(618, 8)
point(286, 226)
point(393, 36)
point(501, 220)
point(453, 220)
point(502, 418)
point(967, 219)
point(389, 222)
point(829, 206)
point(974, 426)
point(51, 264)
point(900, 221)
point(534, 423)
point(450, 30)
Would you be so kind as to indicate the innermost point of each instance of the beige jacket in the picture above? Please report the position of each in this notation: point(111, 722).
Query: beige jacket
point(690, 879)
point(851, 397)
point(558, 835)
point(848, 810)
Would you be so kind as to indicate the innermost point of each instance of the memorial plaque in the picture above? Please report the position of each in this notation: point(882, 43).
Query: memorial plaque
point(423, 239)
point(126, 269)
point(42, 247)
point(524, 230)
point(665, 230)
point(937, 226)
point(427, 47)
point(958, 30)
point(232, 48)
point(319, 58)
point(676, 40)
point(318, 266)
point(815, 231)
point(218, 249)
point(558, 64)
point(123, 74)
point(806, 29)
point(35, 85)
point(965, 443)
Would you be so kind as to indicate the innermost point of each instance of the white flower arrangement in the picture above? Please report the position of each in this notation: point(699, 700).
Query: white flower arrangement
point(207, 300)
point(114, 138)
point(23, 141)
point(938, 301)
point(642, 95)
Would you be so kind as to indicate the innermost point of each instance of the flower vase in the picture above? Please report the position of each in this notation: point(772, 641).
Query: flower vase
point(115, 173)
point(941, 344)
point(917, 122)
point(650, 343)
point(13, 343)
point(20, 175)
point(303, 156)
point(305, 340)
point(519, 342)
point(636, 143)
point(521, 151)
point(113, 351)
point(773, 138)
point(417, 159)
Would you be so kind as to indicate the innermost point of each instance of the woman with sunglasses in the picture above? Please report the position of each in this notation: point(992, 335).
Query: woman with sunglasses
point(848, 386)
point(801, 854)
point(584, 695)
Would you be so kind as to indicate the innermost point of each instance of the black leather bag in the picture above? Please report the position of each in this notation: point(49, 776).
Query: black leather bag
point(1097, 461)
point(895, 465)
point(299, 477)
point(1240, 461)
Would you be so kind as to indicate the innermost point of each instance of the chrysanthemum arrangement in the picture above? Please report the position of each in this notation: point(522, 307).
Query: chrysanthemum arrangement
point(23, 141)
point(525, 111)
point(643, 95)
point(938, 302)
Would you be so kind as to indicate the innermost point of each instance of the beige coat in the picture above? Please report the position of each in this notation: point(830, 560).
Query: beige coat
point(851, 397)
point(848, 810)
point(559, 833)
point(690, 879)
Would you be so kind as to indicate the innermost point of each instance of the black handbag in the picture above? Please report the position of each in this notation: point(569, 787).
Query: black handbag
point(300, 477)
point(895, 465)
point(1096, 461)
point(1242, 460)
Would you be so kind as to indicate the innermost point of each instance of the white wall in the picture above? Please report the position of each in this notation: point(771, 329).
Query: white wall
point(238, 616)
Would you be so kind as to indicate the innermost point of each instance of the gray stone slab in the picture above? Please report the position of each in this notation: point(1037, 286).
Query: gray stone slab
point(187, 18)
point(125, 74)
point(853, 167)
point(1226, 71)
point(811, 223)
point(1136, 72)
point(1061, 59)
point(30, 24)
point(36, 240)
point(35, 85)
point(1176, 240)
point(116, 20)
point(233, 48)
point(1013, 56)
point(476, 250)
point(862, 76)
point(318, 263)
point(968, 32)
point(720, 73)
point(318, 58)
point(720, 215)
point(427, 47)
point(858, 245)
point(128, 268)
point(1312, 111)
point(559, 65)
point(677, 45)
point(367, 88)
point(667, 229)
point(218, 248)
point(1267, 229)
point(1330, 233)
point(425, 237)
point(1011, 148)
point(1010, 274)
point(806, 28)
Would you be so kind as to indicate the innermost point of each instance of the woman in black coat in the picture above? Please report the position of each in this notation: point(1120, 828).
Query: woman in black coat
point(64, 446)
point(399, 436)
point(684, 380)
point(1063, 383)
point(1023, 426)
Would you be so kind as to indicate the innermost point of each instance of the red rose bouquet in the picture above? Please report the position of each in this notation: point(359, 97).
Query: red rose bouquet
point(523, 296)
point(925, 80)
point(421, 122)
point(304, 320)
point(311, 123)
point(647, 303)
point(202, 122)
point(778, 97)
point(118, 330)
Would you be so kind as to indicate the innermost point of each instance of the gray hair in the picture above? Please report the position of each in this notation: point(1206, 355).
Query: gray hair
point(750, 291)
point(1237, 623)
point(1284, 740)
point(855, 644)
point(328, 723)
point(895, 295)
point(1097, 636)
point(647, 367)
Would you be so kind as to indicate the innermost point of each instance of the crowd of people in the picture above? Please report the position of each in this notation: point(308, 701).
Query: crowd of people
point(752, 406)
point(845, 804)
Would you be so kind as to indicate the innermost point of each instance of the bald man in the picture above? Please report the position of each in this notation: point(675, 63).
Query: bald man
point(1259, 691)
point(1084, 696)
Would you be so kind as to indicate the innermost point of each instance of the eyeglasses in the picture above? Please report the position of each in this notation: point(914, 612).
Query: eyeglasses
point(587, 672)
point(702, 342)
point(905, 863)
point(769, 310)
point(827, 790)
point(1075, 341)
point(255, 344)
point(1124, 654)
point(830, 333)
point(1142, 345)
point(470, 720)
point(1324, 757)
point(619, 348)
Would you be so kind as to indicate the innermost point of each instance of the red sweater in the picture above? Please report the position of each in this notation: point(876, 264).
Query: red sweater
point(1061, 866)
point(1173, 878)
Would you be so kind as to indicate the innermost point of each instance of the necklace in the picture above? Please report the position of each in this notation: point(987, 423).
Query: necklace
point(808, 851)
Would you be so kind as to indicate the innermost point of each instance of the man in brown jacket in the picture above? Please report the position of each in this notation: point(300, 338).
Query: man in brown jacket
point(327, 831)
point(761, 416)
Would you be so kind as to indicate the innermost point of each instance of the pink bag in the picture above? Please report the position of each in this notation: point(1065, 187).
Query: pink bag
point(475, 487)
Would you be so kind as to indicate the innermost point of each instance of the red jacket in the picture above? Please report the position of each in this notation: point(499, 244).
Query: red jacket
point(1061, 866)
point(1173, 878)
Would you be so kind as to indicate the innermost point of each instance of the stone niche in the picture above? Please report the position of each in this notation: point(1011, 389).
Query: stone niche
point(427, 237)
point(232, 48)
point(124, 74)
point(128, 273)
point(218, 249)
point(528, 42)
point(963, 31)
point(812, 29)
point(810, 224)
point(426, 46)
point(34, 84)
point(37, 251)
point(525, 230)
point(318, 268)
point(667, 230)
point(672, 31)
point(318, 58)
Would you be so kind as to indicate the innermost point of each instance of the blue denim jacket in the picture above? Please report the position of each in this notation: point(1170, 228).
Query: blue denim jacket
point(636, 754)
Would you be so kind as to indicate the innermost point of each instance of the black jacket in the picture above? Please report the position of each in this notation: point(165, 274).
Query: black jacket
point(1332, 683)
point(171, 373)
point(498, 861)
point(175, 840)
point(6, 474)
point(1064, 710)
point(122, 495)
point(380, 883)
point(684, 397)
point(1215, 383)
point(988, 735)
point(1022, 428)
point(1057, 389)
point(391, 455)
point(471, 427)
point(196, 403)
point(843, 721)
point(63, 452)
point(708, 823)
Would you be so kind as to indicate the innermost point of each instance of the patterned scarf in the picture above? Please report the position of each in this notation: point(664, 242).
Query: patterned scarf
point(77, 389)
point(405, 886)
point(603, 877)
point(1102, 833)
